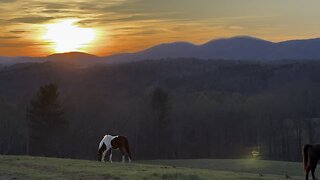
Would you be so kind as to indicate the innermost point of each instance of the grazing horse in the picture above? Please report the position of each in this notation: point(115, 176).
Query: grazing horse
point(311, 156)
point(109, 142)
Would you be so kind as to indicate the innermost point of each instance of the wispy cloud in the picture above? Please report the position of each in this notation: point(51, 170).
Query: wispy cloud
point(31, 19)
point(23, 44)
point(18, 31)
point(9, 37)
point(7, 1)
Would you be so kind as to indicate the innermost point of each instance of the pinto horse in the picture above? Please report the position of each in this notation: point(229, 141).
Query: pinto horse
point(311, 156)
point(109, 142)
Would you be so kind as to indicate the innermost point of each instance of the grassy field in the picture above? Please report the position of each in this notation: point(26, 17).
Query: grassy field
point(25, 167)
point(237, 165)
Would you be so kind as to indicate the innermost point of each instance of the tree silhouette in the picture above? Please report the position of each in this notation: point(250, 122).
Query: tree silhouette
point(46, 122)
point(160, 107)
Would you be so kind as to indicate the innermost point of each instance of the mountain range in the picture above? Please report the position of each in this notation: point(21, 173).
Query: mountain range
point(235, 48)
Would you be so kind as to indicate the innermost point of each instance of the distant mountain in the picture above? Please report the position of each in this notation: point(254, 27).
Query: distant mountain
point(168, 50)
point(70, 57)
point(236, 48)
point(20, 59)
point(74, 57)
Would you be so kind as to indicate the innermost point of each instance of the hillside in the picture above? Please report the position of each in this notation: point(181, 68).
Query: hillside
point(25, 167)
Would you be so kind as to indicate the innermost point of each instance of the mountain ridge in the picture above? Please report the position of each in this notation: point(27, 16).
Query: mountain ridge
point(234, 48)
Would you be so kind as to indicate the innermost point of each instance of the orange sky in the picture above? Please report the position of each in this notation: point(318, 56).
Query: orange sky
point(132, 25)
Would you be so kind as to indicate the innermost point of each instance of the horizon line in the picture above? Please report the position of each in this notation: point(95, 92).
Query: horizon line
point(171, 42)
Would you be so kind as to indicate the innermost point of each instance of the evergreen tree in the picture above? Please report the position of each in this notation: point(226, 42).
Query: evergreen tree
point(160, 104)
point(46, 122)
point(160, 107)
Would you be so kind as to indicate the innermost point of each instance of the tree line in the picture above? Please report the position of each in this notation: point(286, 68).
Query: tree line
point(182, 108)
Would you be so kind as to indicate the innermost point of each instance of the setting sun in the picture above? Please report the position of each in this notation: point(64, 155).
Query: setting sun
point(67, 37)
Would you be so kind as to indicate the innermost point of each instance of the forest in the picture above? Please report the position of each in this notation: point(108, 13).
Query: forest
point(168, 109)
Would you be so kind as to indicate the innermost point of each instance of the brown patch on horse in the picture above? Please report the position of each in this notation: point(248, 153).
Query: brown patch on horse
point(101, 150)
point(121, 142)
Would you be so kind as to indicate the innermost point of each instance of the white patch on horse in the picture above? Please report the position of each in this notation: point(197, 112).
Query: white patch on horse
point(107, 141)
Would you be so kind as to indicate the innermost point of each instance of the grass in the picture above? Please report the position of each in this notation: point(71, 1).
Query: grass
point(26, 167)
point(237, 165)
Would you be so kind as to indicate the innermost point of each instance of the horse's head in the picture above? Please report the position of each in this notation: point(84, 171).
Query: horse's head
point(102, 148)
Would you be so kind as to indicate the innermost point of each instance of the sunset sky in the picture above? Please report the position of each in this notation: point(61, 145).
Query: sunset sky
point(103, 27)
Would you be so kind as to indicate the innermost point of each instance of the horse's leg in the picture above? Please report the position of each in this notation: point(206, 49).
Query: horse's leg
point(103, 155)
point(312, 166)
point(312, 172)
point(307, 174)
point(123, 155)
point(106, 153)
point(110, 156)
point(128, 151)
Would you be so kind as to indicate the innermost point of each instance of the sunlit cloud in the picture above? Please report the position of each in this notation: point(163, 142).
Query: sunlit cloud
point(9, 37)
point(32, 19)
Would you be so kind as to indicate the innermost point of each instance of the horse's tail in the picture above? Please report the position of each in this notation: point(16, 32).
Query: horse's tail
point(305, 155)
point(128, 149)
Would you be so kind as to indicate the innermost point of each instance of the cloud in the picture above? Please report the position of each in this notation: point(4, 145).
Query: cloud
point(56, 5)
point(91, 12)
point(138, 33)
point(235, 27)
point(7, 1)
point(9, 37)
point(18, 31)
point(32, 19)
point(56, 11)
point(23, 44)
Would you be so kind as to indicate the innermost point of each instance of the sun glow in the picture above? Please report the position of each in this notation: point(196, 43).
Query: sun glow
point(67, 37)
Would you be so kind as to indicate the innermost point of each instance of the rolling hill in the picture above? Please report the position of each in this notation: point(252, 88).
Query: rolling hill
point(236, 48)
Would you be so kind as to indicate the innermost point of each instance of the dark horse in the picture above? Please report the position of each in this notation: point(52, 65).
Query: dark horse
point(311, 156)
point(109, 142)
